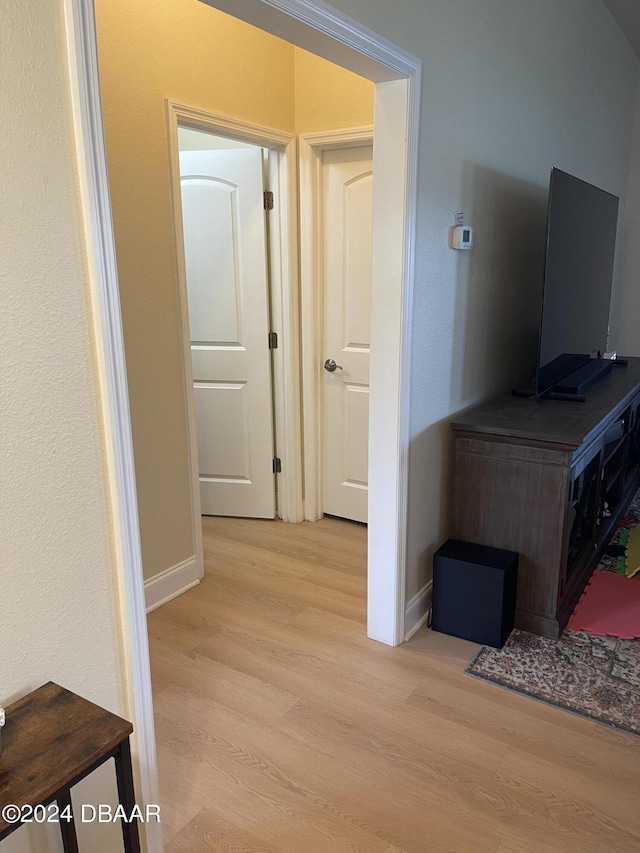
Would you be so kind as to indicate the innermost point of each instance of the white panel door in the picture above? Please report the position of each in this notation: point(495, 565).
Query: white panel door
point(226, 270)
point(346, 284)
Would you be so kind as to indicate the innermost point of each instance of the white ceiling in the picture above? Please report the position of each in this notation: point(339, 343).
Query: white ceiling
point(627, 14)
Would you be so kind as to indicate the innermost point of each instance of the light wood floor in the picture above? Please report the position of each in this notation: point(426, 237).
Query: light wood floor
point(282, 729)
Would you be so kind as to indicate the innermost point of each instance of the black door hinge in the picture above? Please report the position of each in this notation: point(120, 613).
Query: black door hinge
point(277, 465)
point(273, 340)
point(268, 200)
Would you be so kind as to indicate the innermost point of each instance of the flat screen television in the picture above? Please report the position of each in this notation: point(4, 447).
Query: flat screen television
point(578, 272)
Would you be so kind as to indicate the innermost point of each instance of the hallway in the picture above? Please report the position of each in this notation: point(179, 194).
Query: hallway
point(282, 729)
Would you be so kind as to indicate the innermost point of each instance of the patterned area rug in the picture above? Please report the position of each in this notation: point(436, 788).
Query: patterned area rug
point(596, 677)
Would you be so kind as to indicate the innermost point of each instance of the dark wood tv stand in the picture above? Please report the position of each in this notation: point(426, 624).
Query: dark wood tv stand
point(550, 480)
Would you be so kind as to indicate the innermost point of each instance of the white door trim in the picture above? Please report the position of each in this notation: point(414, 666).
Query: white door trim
point(283, 240)
point(311, 146)
point(342, 40)
point(109, 347)
point(395, 173)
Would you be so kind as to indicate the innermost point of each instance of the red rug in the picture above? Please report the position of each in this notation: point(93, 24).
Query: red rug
point(610, 606)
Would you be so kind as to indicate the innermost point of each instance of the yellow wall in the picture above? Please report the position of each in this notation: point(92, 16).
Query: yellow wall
point(190, 53)
point(185, 51)
point(329, 97)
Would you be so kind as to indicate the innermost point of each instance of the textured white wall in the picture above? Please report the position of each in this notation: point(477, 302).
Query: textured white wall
point(510, 89)
point(58, 616)
point(625, 320)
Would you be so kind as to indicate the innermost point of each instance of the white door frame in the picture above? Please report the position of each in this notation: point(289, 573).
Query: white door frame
point(311, 148)
point(316, 26)
point(102, 273)
point(283, 240)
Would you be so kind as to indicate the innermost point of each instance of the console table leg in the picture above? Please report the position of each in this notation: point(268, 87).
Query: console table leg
point(67, 827)
point(126, 793)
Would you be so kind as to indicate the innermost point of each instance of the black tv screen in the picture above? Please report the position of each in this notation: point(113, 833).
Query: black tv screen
point(580, 245)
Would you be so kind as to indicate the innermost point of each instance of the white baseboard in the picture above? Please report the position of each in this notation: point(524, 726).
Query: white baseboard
point(171, 583)
point(417, 610)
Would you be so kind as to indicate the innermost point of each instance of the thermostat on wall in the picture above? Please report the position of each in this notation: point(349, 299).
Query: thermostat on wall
point(461, 237)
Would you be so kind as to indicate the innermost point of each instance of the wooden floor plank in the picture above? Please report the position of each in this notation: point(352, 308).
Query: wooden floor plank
point(297, 670)
point(282, 729)
point(202, 677)
point(530, 846)
point(568, 801)
point(335, 544)
point(269, 586)
point(533, 728)
point(251, 779)
point(209, 832)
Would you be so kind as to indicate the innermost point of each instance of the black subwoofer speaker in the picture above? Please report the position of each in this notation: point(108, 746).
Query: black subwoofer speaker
point(474, 592)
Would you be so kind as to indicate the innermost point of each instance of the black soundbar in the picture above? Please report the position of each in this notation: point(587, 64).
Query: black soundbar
point(578, 382)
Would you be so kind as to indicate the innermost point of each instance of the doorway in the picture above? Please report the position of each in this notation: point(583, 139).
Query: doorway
point(328, 33)
point(335, 194)
point(284, 417)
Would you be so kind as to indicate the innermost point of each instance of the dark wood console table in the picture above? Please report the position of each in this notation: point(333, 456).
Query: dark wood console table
point(550, 480)
point(53, 739)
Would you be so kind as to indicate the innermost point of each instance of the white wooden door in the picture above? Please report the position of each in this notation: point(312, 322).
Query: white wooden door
point(346, 284)
point(226, 271)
